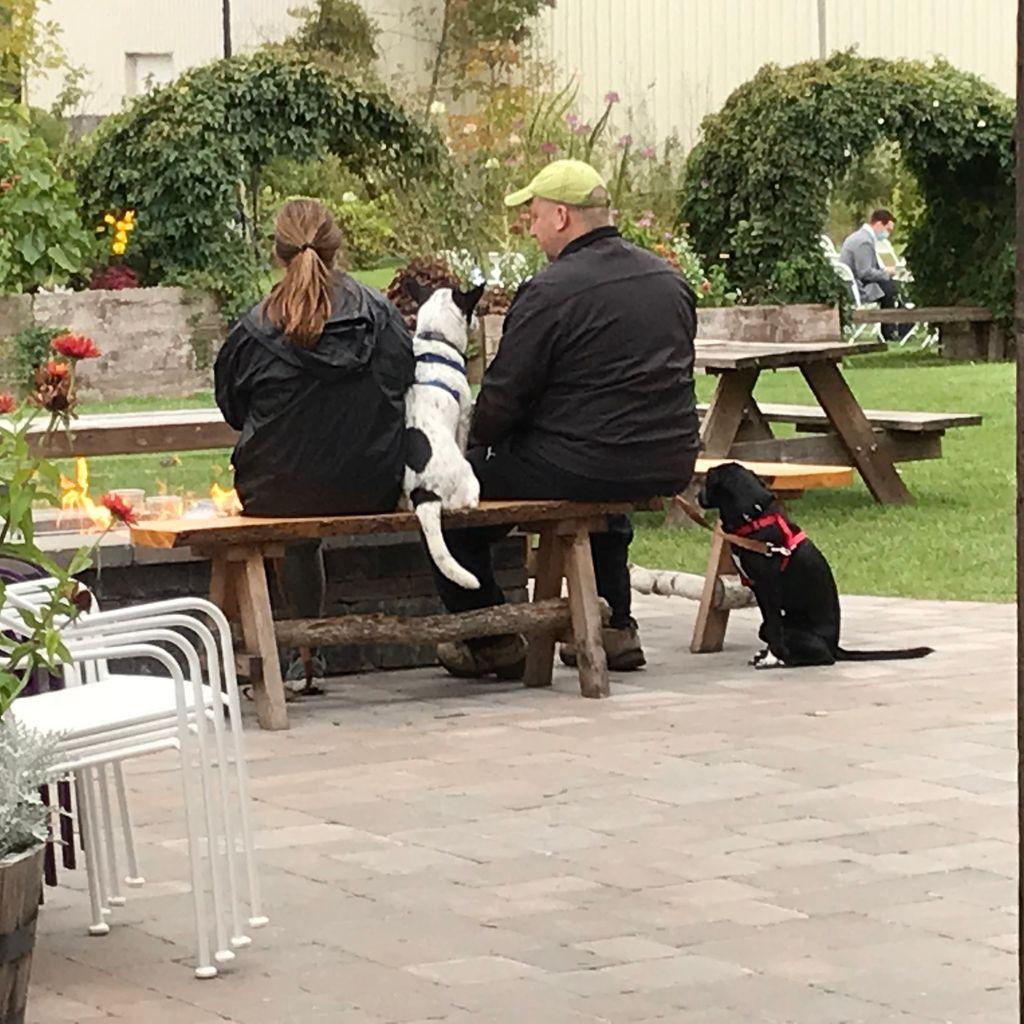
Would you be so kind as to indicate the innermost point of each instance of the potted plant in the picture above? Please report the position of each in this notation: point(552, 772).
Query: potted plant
point(25, 757)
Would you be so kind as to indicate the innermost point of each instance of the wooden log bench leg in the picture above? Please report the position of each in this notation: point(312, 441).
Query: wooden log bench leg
point(586, 614)
point(709, 630)
point(547, 584)
point(250, 577)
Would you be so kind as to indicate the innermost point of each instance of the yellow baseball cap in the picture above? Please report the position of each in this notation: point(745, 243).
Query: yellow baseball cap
point(564, 181)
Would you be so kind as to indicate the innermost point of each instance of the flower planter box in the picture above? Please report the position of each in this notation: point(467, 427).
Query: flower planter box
point(21, 887)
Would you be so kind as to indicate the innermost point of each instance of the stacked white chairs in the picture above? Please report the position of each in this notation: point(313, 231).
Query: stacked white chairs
point(188, 705)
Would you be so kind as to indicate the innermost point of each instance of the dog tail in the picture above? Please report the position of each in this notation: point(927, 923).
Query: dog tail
point(427, 506)
point(901, 654)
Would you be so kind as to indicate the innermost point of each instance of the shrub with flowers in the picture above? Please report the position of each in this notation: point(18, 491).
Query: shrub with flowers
point(114, 234)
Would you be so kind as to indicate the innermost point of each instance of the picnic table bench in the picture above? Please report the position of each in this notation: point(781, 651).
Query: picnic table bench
point(983, 339)
point(240, 547)
point(906, 436)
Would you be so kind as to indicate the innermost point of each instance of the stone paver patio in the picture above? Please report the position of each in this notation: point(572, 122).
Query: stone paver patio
point(712, 845)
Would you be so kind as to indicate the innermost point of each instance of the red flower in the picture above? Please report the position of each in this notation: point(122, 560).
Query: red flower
point(57, 370)
point(119, 509)
point(7, 404)
point(75, 346)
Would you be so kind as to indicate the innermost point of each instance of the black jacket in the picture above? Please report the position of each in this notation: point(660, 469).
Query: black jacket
point(595, 369)
point(322, 429)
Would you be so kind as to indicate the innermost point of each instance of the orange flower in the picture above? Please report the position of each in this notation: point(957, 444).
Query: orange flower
point(57, 370)
point(75, 346)
point(119, 509)
point(7, 404)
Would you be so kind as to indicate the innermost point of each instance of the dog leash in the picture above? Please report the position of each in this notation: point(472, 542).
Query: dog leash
point(759, 546)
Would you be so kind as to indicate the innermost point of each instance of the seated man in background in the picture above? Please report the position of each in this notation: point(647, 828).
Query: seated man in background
point(590, 398)
point(874, 281)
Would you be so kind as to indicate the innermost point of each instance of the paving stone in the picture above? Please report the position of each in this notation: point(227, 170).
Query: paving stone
point(712, 845)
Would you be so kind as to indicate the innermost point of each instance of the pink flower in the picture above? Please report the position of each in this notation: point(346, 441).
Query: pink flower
point(582, 129)
point(572, 120)
point(549, 148)
point(7, 404)
point(646, 221)
point(626, 140)
point(611, 97)
point(649, 152)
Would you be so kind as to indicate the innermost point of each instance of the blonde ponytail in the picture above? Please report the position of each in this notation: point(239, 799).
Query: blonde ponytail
point(306, 244)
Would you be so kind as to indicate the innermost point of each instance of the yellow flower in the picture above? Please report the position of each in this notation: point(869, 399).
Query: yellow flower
point(109, 218)
point(122, 237)
point(129, 215)
point(120, 225)
point(118, 248)
point(129, 225)
point(101, 228)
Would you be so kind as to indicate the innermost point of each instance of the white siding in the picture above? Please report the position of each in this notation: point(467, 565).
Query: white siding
point(672, 61)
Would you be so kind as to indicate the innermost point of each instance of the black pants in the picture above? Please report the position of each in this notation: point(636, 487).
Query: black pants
point(505, 474)
point(890, 300)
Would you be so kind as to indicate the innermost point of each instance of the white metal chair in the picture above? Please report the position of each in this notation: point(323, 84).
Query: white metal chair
point(114, 716)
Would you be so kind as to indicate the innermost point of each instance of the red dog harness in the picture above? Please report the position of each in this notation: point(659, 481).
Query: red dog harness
point(790, 540)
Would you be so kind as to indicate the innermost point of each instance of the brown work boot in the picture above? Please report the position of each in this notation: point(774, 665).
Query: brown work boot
point(501, 656)
point(621, 647)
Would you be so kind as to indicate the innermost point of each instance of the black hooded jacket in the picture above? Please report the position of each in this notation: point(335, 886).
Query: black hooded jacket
point(595, 370)
point(322, 428)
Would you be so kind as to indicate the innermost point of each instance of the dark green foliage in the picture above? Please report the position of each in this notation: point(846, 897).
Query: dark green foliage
point(758, 184)
point(189, 157)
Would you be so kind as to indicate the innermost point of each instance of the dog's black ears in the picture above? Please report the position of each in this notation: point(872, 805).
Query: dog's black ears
point(466, 301)
point(417, 291)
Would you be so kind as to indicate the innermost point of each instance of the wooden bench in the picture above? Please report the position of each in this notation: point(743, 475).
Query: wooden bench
point(982, 337)
point(787, 482)
point(240, 547)
point(906, 436)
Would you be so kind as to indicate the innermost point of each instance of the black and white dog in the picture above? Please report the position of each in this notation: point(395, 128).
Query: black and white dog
point(438, 406)
point(794, 586)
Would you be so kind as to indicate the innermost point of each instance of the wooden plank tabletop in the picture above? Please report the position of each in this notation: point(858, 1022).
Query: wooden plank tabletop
point(781, 476)
point(720, 355)
point(925, 314)
point(133, 433)
point(214, 530)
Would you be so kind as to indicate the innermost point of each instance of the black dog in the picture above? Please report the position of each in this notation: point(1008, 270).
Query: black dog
point(793, 584)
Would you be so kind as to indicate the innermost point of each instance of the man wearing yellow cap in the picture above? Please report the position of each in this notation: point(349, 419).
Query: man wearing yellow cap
point(590, 398)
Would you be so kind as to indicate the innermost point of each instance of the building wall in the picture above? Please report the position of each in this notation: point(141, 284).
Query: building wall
point(672, 61)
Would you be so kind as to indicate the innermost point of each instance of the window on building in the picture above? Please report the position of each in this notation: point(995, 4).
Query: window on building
point(145, 71)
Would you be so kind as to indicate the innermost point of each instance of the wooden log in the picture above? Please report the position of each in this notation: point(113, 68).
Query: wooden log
point(729, 593)
point(550, 616)
point(21, 887)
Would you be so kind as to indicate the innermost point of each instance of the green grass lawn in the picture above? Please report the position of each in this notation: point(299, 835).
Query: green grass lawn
point(956, 541)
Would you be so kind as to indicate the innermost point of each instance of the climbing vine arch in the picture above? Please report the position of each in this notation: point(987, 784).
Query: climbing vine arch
point(188, 156)
point(757, 184)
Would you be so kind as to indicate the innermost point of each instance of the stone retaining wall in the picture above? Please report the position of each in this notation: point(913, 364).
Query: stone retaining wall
point(155, 341)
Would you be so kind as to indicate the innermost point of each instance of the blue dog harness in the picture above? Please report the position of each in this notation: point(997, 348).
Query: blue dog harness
point(433, 357)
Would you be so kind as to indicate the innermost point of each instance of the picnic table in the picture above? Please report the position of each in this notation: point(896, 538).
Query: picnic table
point(240, 548)
point(734, 417)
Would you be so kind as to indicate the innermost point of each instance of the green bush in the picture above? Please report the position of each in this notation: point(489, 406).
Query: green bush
point(191, 156)
point(757, 185)
point(42, 241)
point(367, 221)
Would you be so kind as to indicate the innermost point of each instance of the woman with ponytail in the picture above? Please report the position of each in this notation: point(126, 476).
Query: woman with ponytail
point(314, 377)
